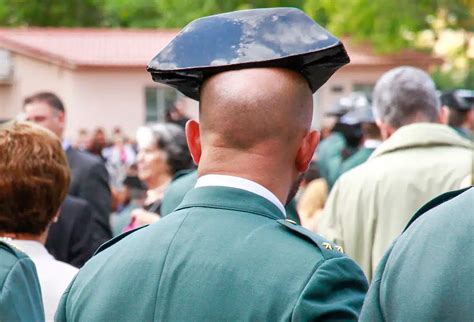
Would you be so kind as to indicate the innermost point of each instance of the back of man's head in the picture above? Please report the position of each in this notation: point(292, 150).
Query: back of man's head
point(247, 108)
point(255, 123)
point(405, 95)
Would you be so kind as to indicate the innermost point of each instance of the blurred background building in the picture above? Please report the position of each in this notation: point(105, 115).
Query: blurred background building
point(93, 54)
point(101, 75)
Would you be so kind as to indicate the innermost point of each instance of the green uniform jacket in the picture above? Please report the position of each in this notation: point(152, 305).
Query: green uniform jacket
point(427, 275)
point(463, 132)
point(186, 180)
point(224, 255)
point(329, 153)
point(20, 292)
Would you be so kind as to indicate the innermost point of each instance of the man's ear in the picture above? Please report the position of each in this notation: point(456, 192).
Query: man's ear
point(306, 151)
point(443, 115)
point(193, 136)
point(385, 130)
point(62, 119)
point(470, 119)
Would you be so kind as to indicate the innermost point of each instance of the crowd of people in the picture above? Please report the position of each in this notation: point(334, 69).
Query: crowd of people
point(248, 213)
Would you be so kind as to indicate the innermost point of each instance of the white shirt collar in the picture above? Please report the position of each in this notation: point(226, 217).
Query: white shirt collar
point(65, 143)
point(32, 248)
point(219, 180)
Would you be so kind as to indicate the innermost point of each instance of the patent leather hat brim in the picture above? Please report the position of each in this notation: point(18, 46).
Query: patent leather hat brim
point(279, 37)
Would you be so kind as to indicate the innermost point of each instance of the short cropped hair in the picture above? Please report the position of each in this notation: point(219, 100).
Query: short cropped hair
point(34, 177)
point(47, 97)
point(171, 139)
point(403, 95)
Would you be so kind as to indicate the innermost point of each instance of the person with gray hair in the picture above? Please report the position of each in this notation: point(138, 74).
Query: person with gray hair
point(370, 205)
point(163, 152)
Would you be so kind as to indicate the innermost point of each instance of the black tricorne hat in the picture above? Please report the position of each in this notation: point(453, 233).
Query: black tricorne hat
point(277, 37)
point(460, 99)
point(346, 104)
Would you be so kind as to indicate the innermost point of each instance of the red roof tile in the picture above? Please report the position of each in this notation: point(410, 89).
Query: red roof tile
point(79, 47)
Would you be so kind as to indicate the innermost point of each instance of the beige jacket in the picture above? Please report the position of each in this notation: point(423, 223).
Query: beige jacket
point(370, 205)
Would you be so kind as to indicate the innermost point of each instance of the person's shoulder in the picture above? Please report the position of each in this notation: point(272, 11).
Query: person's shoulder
point(183, 181)
point(440, 211)
point(74, 202)
point(19, 286)
point(84, 158)
point(117, 239)
point(10, 256)
point(177, 189)
point(315, 244)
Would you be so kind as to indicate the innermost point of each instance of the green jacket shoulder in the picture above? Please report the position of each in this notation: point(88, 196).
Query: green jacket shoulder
point(20, 292)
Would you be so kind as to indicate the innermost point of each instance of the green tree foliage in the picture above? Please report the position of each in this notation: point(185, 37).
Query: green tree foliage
point(122, 13)
point(67, 13)
point(382, 22)
point(389, 24)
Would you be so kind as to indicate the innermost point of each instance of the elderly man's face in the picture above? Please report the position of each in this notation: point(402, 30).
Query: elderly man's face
point(44, 115)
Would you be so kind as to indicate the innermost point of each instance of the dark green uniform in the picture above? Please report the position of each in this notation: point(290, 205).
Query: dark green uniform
point(224, 255)
point(186, 180)
point(329, 152)
point(20, 292)
point(178, 188)
point(427, 275)
point(463, 132)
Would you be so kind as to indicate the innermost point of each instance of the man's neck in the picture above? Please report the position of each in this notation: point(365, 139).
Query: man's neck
point(267, 174)
point(220, 180)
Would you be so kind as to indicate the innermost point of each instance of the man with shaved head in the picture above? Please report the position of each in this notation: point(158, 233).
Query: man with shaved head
point(228, 253)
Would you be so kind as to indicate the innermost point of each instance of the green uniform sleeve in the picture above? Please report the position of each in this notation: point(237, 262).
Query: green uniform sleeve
point(20, 294)
point(61, 310)
point(372, 310)
point(335, 292)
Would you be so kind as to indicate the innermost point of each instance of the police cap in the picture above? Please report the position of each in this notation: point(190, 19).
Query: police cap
point(277, 37)
point(460, 99)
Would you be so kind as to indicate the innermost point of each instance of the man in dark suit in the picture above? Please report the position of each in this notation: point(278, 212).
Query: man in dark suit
point(90, 180)
point(69, 238)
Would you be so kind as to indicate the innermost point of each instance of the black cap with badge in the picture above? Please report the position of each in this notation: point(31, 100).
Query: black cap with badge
point(277, 37)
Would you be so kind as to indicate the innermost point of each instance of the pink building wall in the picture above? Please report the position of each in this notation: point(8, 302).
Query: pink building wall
point(100, 97)
point(110, 97)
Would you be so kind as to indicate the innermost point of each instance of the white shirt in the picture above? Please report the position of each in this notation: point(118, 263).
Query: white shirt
point(219, 180)
point(54, 276)
point(66, 145)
